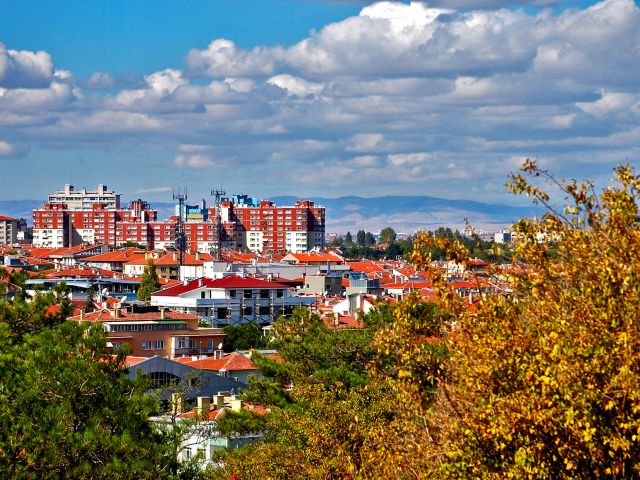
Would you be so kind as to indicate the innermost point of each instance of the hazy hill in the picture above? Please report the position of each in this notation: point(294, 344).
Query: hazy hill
point(404, 213)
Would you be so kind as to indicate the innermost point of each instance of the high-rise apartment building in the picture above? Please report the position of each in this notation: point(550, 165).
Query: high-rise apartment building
point(8, 230)
point(239, 222)
point(84, 199)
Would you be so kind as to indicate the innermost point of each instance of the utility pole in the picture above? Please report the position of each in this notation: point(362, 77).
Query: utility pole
point(181, 241)
point(217, 195)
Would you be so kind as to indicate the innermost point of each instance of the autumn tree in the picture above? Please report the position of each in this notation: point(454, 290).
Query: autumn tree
point(149, 282)
point(543, 383)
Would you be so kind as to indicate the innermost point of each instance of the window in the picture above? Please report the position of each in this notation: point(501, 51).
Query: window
point(264, 310)
point(158, 344)
point(247, 311)
point(232, 294)
point(279, 293)
point(223, 312)
point(146, 345)
point(202, 294)
point(264, 293)
point(247, 294)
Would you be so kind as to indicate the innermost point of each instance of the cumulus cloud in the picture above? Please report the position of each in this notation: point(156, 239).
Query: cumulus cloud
point(24, 69)
point(193, 161)
point(222, 58)
point(403, 97)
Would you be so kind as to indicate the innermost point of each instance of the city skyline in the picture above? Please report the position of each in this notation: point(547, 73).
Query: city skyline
point(313, 98)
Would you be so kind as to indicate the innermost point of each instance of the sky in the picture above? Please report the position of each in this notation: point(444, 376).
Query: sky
point(314, 98)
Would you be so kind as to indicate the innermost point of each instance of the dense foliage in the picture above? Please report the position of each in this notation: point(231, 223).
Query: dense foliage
point(244, 337)
point(67, 408)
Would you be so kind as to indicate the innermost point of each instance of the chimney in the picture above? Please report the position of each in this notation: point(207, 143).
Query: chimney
point(82, 314)
point(197, 255)
point(218, 400)
point(148, 255)
point(177, 403)
point(175, 257)
point(236, 405)
point(162, 313)
point(204, 405)
point(115, 312)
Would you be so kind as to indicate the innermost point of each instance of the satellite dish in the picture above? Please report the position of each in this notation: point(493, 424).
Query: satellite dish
point(220, 346)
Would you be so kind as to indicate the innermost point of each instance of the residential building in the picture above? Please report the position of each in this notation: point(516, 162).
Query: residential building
point(71, 217)
point(148, 332)
point(84, 199)
point(8, 230)
point(231, 300)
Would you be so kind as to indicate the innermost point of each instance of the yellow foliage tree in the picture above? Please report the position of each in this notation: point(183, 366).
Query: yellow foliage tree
point(544, 383)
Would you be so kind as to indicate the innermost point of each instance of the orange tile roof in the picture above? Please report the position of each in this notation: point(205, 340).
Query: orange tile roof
point(232, 362)
point(131, 360)
point(366, 267)
point(126, 316)
point(80, 272)
point(117, 256)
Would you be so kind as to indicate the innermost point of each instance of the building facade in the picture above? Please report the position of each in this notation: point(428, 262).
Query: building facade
point(72, 217)
point(231, 300)
point(8, 230)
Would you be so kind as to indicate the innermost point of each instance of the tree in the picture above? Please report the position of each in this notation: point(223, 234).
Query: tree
point(67, 408)
point(348, 238)
point(387, 235)
point(543, 383)
point(91, 293)
point(369, 239)
point(149, 282)
point(243, 337)
point(360, 237)
point(340, 413)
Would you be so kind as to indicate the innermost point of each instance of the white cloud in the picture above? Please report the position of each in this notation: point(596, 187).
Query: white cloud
point(365, 142)
point(154, 190)
point(295, 86)
point(408, 159)
point(193, 161)
point(363, 100)
point(8, 150)
point(25, 69)
point(223, 59)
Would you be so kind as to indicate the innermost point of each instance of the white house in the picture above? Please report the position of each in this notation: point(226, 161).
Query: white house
point(231, 300)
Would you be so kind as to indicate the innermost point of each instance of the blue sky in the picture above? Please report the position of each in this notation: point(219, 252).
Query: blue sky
point(314, 98)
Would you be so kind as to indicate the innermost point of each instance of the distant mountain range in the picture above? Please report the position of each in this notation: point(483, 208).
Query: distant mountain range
point(403, 213)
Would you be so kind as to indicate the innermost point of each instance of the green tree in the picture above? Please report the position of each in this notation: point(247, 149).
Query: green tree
point(369, 239)
point(243, 337)
point(360, 237)
point(348, 238)
point(91, 293)
point(149, 282)
point(340, 413)
point(387, 235)
point(67, 407)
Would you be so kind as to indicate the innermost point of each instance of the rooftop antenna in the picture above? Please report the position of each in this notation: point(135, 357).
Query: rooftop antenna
point(181, 241)
point(217, 195)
